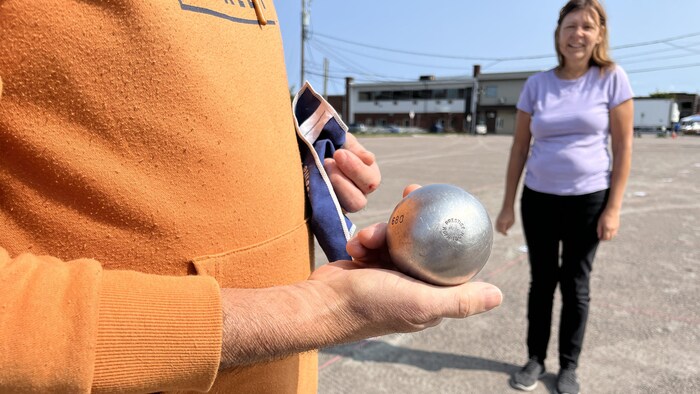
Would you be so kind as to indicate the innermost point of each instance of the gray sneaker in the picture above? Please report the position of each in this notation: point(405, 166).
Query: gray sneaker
point(567, 383)
point(526, 378)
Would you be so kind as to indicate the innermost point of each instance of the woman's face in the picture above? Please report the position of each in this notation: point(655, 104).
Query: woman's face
point(579, 33)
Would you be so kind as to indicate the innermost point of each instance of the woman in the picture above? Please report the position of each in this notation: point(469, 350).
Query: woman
point(573, 189)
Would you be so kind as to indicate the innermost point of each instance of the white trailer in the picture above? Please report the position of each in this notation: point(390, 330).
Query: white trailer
point(652, 114)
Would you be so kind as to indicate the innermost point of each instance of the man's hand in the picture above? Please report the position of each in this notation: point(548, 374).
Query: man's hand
point(342, 302)
point(354, 174)
point(379, 300)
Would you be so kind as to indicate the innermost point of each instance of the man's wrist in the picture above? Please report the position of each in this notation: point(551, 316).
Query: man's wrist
point(266, 324)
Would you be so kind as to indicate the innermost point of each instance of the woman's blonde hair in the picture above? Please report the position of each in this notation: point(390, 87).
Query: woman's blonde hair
point(600, 56)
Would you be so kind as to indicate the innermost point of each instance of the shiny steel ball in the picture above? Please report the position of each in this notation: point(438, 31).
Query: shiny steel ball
point(440, 234)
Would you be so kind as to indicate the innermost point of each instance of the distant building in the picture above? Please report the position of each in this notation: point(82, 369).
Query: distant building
point(447, 102)
point(429, 101)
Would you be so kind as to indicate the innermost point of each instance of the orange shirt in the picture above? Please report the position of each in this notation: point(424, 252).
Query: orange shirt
point(145, 148)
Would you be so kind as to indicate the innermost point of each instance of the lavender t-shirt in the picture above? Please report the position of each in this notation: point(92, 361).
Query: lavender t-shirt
point(570, 125)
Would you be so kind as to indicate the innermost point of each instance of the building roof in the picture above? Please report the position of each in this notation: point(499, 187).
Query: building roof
point(466, 81)
point(506, 75)
point(438, 81)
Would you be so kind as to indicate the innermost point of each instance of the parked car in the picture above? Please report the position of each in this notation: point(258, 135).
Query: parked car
point(437, 128)
point(392, 128)
point(481, 129)
point(690, 125)
point(357, 128)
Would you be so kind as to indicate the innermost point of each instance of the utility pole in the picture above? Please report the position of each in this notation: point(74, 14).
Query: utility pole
point(304, 27)
point(346, 106)
point(325, 78)
point(475, 98)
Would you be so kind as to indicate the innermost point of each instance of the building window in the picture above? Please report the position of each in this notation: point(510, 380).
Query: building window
point(491, 91)
point(440, 93)
point(366, 96)
point(401, 95)
point(422, 94)
point(455, 93)
point(385, 95)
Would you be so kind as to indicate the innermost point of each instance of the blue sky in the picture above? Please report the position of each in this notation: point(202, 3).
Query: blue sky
point(656, 42)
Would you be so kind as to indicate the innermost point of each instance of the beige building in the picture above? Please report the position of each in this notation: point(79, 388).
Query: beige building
point(437, 103)
point(429, 101)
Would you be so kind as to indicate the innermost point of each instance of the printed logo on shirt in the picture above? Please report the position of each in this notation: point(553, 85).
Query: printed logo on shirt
point(239, 11)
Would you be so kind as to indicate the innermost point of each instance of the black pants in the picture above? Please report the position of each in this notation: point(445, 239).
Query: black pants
point(548, 222)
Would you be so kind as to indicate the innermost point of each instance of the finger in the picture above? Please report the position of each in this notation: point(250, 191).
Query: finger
point(365, 176)
point(604, 232)
point(609, 234)
point(349, 196)
point(368, 246)
point(472, 298)
point(374, 236)
point(502, 226)
point(360, 165)
point(354, 146)
point(371, 237)
point(408, 189)
point(501, 229)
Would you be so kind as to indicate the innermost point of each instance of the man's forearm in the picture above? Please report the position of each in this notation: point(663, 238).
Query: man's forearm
point(262, 325)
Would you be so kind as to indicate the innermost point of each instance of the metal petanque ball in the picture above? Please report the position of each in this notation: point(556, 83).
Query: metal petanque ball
point(440, 234)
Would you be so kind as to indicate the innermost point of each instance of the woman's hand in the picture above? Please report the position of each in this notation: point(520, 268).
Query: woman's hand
point(608, 224)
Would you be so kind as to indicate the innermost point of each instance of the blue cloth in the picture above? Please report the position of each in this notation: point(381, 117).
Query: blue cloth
point(320, 132)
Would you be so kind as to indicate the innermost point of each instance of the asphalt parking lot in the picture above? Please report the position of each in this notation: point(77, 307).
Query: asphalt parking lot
point(644, 327)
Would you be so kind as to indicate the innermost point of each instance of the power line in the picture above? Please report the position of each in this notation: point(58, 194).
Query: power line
point(420, 53)
point(502, 59)
point(330, 52)
point(683, 48)
point(660, 58)
point(661, 41)
point(367, 77)
point(663, 68)
point(396, 61)
point(657, 51)
point(352, 67)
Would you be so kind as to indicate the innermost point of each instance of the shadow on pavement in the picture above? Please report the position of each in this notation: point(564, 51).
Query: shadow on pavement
point(374, 350)
point(379, 351)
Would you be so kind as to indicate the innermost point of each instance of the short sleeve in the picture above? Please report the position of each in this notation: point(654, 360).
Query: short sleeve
point(620, 88)
point(525, 102)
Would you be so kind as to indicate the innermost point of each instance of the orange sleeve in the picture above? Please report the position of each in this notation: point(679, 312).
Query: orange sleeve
point(72, 327)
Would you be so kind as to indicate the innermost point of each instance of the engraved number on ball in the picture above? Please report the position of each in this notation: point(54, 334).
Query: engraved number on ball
point(397, 219)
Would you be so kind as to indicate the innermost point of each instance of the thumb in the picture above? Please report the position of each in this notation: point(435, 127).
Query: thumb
point(472, 298)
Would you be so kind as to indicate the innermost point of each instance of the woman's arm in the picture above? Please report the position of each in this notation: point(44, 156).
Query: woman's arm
point(516, 163)
point(621, 133)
